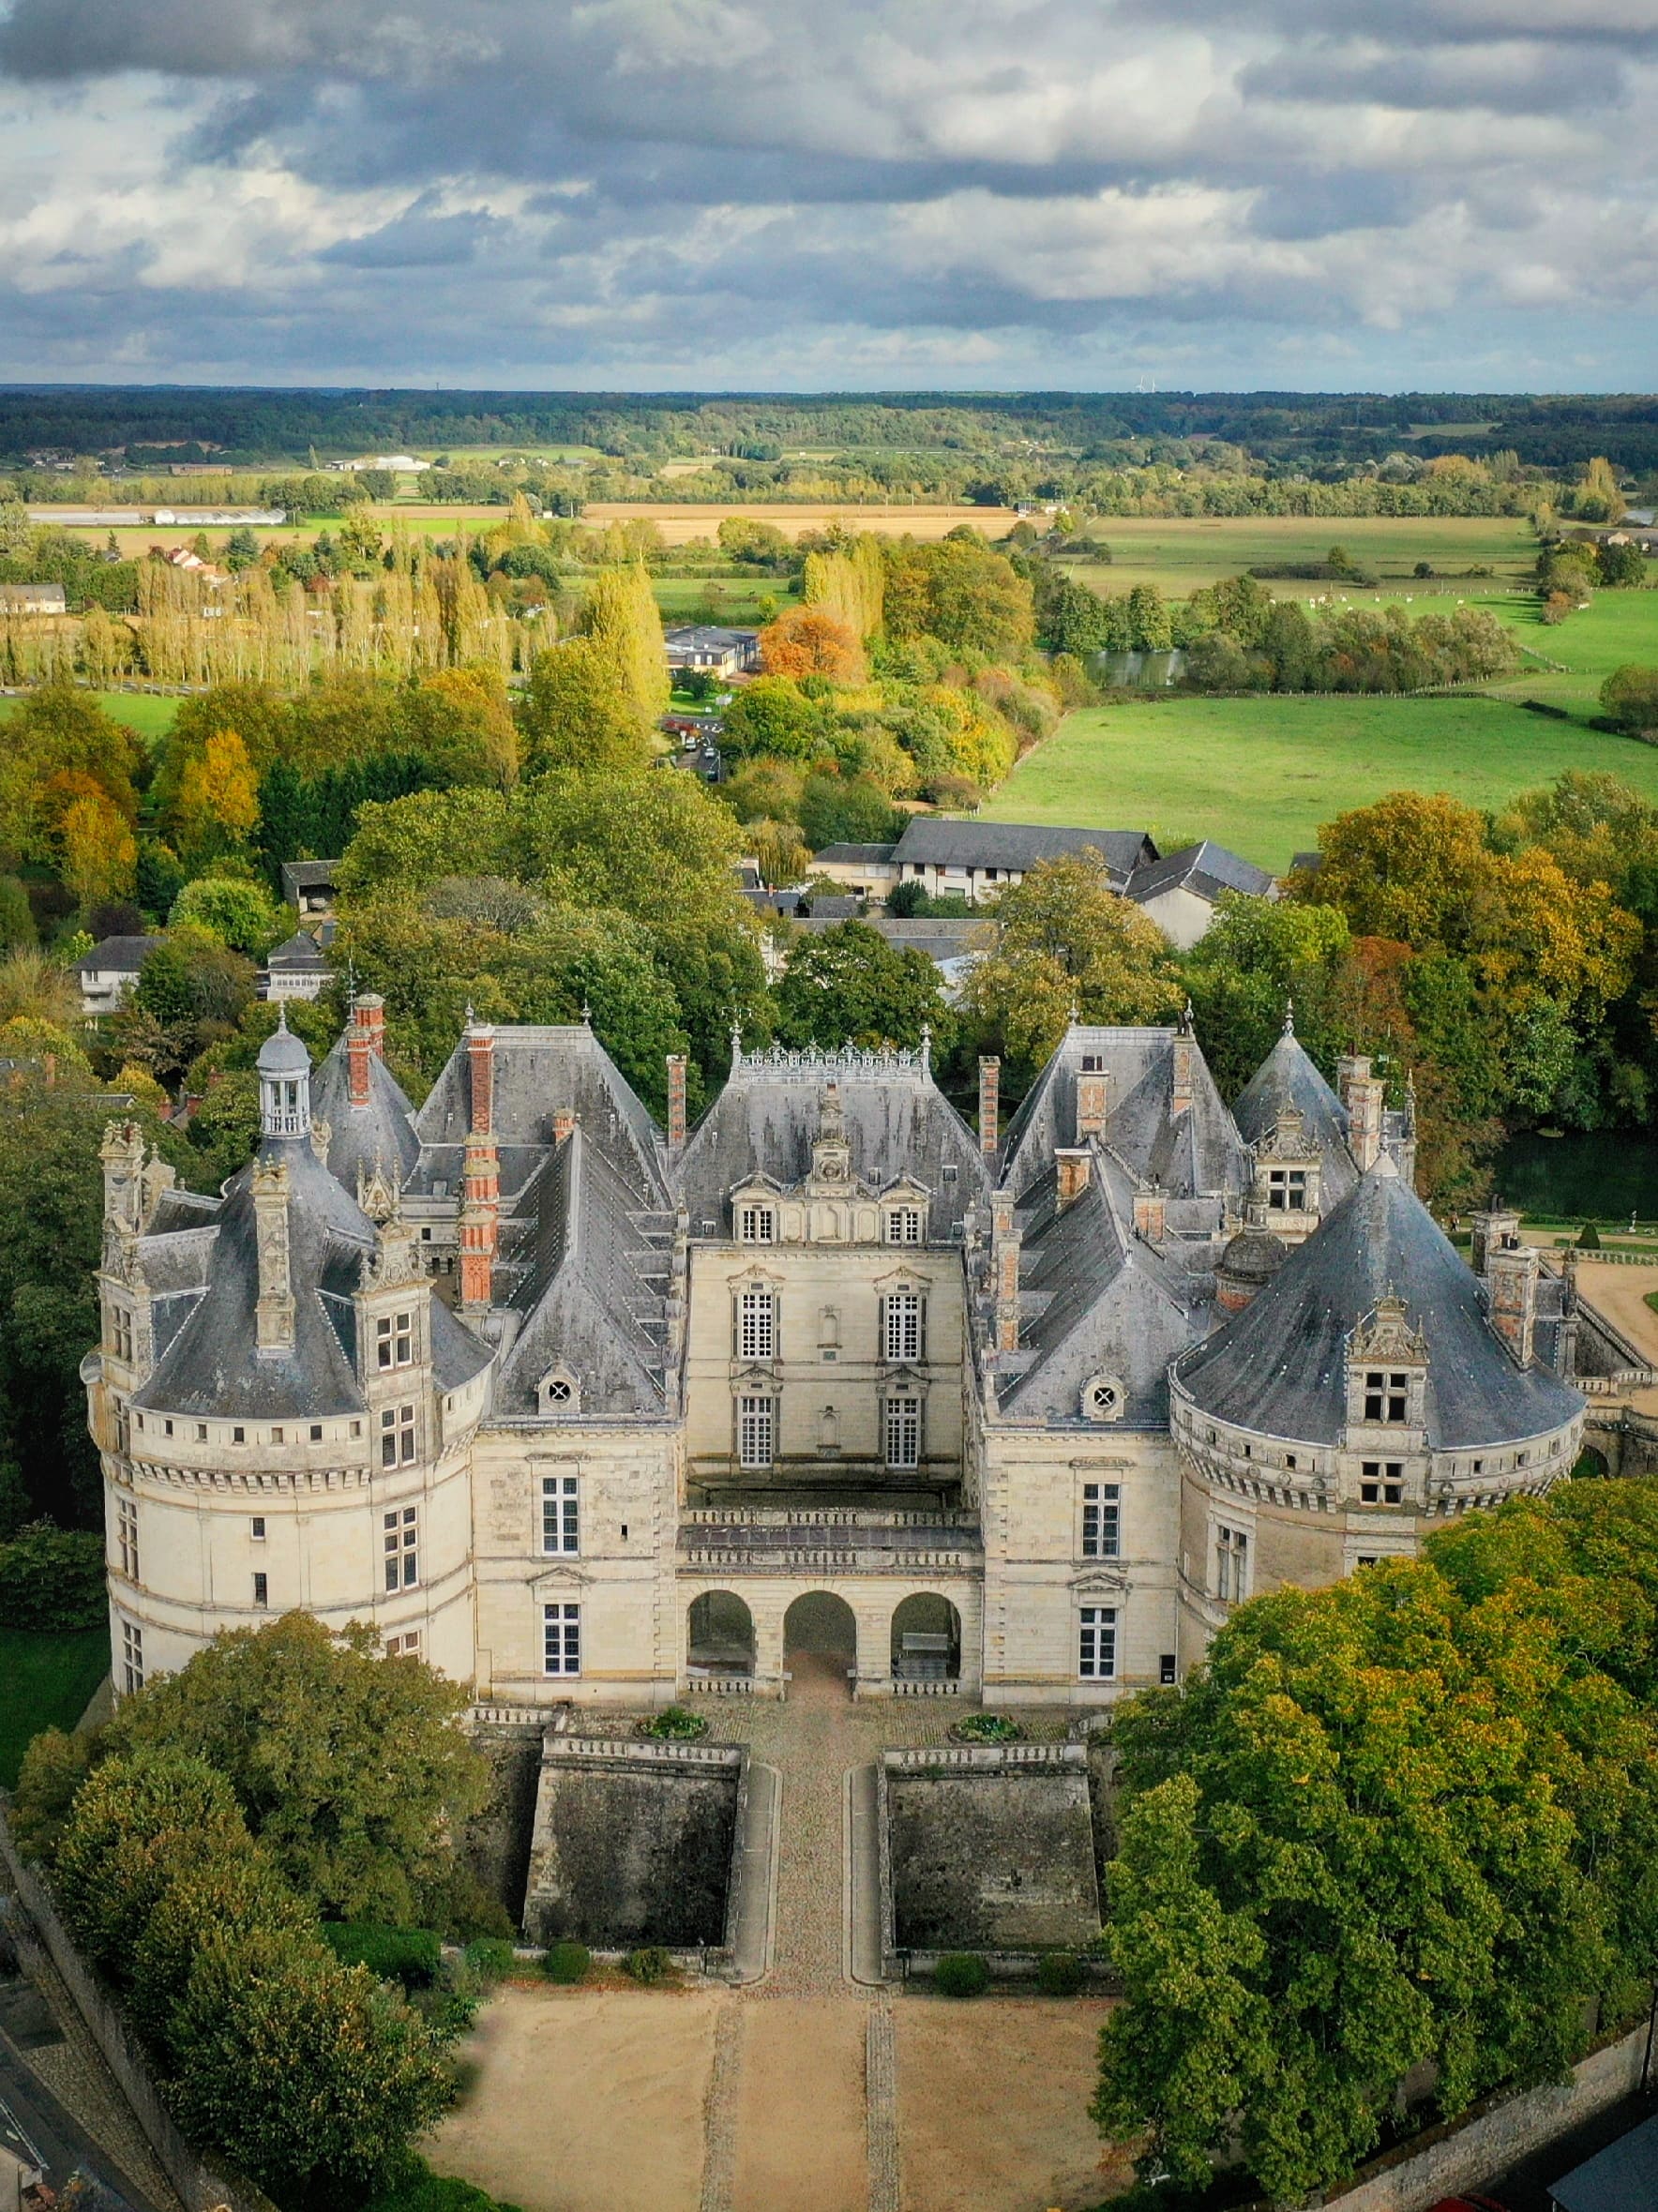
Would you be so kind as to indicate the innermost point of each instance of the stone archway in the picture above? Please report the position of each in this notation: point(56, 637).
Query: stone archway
point(719, 1635)
point(820, 1641)
point(926, 1640)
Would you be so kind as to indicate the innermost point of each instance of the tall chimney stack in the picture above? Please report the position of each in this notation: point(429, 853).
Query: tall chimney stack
point(274, 1313)
point(677, 1101)
point(989, 1106)
point(1512, 1271)
point(480, 1059)
point(1184, 1081)
point(1362, 1093)
point(1073, 1161)
point(360, 1050)
point(1092, 1097)
point(371, 1011)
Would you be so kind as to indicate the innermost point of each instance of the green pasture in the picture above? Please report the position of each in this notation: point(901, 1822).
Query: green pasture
point(49, 1684)
point(150, 713)
point(1179, 557)
point(740, 599)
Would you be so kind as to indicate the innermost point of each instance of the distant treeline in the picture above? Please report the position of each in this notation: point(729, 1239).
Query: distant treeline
point(249, 428)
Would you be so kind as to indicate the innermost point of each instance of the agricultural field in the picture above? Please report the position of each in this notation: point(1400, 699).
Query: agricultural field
point(678, 524)
point(1259, 775)
point(1181, 556)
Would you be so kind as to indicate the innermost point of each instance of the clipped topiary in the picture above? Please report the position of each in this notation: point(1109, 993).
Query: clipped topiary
point(566, 1962)
point(1060, 1974)
point(409, 1955)
point(650, 1965)
point(1589, 1238)
point(490, 1959)
point(961, 1974)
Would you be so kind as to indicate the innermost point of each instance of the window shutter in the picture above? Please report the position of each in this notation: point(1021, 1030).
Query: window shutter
point(880, 1328)
point(736, 1324)
point(921, 1330)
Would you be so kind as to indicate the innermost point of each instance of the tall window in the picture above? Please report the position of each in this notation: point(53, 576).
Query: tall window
point(393, 1340)
point(757, 1325)
point(132, 1657)
point(1287, 1190)
point(1382, 1481)
point(756, 1225)
point(397, 1435)
point(1386, 1396)
point(904, 1325)
point(1101, 1520)
point(755, 1432)
point(903, 1432)
point(1231, 1566)
point(262, 1589)
point(401, 1546)
point(561, 1638)
point(1096, 1643)
point(127, 1536)
point(121, 1332)
point(561, 1513)
point(903, 1225)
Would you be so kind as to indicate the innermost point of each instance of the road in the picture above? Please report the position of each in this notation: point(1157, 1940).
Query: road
point(33, 2126)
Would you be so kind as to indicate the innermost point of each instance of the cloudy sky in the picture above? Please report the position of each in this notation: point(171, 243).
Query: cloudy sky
point(847, 194)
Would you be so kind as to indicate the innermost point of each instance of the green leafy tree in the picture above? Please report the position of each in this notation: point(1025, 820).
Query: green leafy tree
point(847, 984)
point(772, 718)
point(352, 1773)
point(578, 712)
point(1629, 697)
point(620, 618)
point(240, 913)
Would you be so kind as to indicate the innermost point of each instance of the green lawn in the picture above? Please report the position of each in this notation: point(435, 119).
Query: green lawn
point(49, 1683)
point(150, 713)
point(738, 599)
point(1261, 774)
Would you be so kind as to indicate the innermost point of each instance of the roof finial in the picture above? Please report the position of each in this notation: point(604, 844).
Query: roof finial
point(927, 1046)
point(737, 1041)
point(1289, 1017)
point(281, 1019)
point(471, 1017)
point(586, 1014)
point(1187, 1019)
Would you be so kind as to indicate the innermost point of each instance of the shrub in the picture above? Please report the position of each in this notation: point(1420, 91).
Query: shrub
point(1060, 1974)
point(986, 1729)
point(566, 1962)
point(53, 1578)
point(674, 1725)
point(420, 2189)
point(961, 1974)
point(491, 1958)
point(408, 1955)
point(649, 1965)
point(1589, 1238)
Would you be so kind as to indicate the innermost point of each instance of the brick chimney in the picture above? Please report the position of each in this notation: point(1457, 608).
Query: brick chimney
point(479, 1223)
point(480, 1059)
point(989, 1106)
point(370, 1011)
point(1184, 1081)
point(1073, 1161)
point(1490, 1230)
point(1092, 1096)
point(1362, 1093)
point(1512, 1271)
point(274, 1314)
point(1150, 1215)
point(676, 1100)
point(1004, 1270)
point(564, 1123)
point(360, 1050)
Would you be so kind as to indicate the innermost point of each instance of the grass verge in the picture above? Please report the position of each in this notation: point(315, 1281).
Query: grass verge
point(49, 1683)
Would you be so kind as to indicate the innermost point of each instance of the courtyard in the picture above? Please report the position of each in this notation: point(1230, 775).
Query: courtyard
point(813, 2087)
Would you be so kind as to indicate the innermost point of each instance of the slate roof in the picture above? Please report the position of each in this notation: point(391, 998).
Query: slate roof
point(769, 1113)
point(540, 1072)
point(1279, 1367)
point(855, 853)
point(1207, 868)
point(377, 1135)
point(307, 874)
point(1195, 1152)
point(1095, 1299)
point(117, 956)
point(934, 842)
point(1623, 2177)
point(1287, 1079)
point(298, 952)
point(587, 1268)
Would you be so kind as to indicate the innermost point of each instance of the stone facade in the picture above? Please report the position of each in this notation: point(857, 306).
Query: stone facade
point(584, 1411)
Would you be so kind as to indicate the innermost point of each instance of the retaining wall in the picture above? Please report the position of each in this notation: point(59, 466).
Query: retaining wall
point(203, 2185)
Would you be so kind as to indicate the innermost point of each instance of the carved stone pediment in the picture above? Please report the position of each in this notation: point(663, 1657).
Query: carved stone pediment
point(1102, 1583)
point(1288, 1139)
point(1385, 1335)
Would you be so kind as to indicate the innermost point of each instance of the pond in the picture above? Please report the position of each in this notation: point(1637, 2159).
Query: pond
point(1604, 1177)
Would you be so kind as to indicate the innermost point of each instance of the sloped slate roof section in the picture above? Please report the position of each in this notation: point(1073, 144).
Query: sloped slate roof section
point(1207, 868)
point(1094, 1299)
point(1285, 1080)
point(898, 1123)
point(593, 1280)
point(540, 1072)
point(1195, 1150)
point(379, 1134)
point(934, 843)
point(1280, 1367)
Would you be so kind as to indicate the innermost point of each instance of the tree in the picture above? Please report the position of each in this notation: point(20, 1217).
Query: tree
point(1598, 497)
point(1629, 697)
point(238, 912)
point(807, 642)
point(1405, 868)
point(576, 713)
point(1063, 944)
point(836, 809)
point(620, 617)
point(772, 718)
point(351, 1773)
point(848, 986)
point(459, 722)
point(972, 600)
point(60, 732)
point(217, 808)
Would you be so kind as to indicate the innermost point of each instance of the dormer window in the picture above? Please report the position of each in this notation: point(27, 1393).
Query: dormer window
point(756, 1225)
point(560, 1392)
point(1387, 1394)
point(1093, 1063)
point(1287, 1190)
point(904, 1225)
point(1102, 1398)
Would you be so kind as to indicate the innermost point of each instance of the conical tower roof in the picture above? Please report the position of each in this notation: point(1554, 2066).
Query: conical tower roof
point(1286, 1081)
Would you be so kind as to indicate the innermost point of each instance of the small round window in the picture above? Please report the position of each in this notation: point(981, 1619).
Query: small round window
point(1102, 1398)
